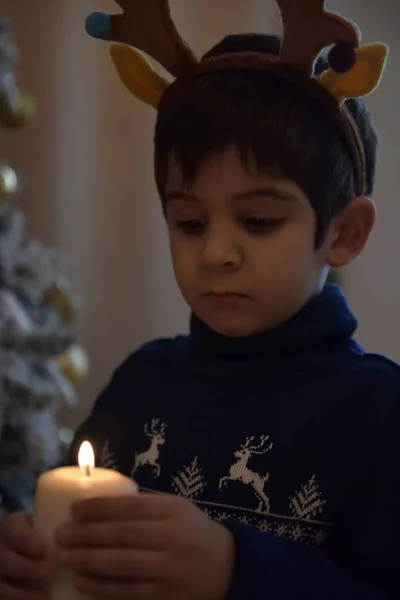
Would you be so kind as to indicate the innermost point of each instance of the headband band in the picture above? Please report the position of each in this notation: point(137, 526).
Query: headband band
point(355, 71)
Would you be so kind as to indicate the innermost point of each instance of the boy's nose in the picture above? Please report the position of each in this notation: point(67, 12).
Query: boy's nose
point(220, 250)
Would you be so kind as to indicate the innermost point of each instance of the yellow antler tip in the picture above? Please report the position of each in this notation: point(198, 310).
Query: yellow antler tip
point(382, 50)
point(363, 79)
point(138, 74)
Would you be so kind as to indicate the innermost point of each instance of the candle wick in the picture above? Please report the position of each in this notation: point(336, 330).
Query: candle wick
point(88, 471)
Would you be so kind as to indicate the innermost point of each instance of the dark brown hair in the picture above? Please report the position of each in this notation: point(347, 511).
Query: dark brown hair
point(270, 122)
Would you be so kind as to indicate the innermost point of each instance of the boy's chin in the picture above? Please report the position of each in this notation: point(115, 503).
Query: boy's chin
point(237, 327)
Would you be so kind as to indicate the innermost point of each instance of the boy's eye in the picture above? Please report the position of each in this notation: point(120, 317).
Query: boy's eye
point(192, 226)
point(262, 225)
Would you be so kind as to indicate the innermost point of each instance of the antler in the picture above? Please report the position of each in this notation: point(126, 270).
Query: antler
point(148, 26)
point(256, 449)
point(309, 28)
point(154, 428)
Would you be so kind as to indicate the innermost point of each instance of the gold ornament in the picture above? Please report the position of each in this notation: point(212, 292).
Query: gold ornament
point(59, 296)
point(74, 365)
point(8, 181)
point(23, 113)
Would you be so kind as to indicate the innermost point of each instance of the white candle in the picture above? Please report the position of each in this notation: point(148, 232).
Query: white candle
point(57, 490)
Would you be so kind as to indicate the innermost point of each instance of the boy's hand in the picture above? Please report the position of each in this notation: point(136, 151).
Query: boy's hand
point(24, 569)
point(147, 547)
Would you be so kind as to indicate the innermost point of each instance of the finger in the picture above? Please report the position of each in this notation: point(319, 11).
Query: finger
point(127, 508)
point(103, 589)
point(15, 566)
point(116, 563)
point(18, 534)
point(9, 591)
point(103, 26)
point(119, 534)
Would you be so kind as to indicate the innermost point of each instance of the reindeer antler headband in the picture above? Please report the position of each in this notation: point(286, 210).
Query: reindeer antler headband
point(355, 71)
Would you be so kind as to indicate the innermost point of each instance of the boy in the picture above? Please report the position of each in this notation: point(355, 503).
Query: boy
point(266, 442)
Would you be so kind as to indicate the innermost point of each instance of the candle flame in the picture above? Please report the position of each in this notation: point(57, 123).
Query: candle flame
point(86, 456)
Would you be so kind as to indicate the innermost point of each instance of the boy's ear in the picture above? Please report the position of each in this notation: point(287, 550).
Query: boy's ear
point(362, 79)
point(138, 74)
point(350, 231)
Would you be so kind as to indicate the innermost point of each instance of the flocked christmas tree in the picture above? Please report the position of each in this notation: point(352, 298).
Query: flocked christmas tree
point(40, 363)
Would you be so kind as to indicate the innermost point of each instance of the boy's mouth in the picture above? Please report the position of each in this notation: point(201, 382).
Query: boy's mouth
point(226, 294)
point(225, 297)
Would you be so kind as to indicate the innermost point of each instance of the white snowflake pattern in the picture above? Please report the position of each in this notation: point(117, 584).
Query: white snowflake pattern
point(244, 520)
point(264, 527)
point(319, 537)
point(281, 530)
point(224, 516)
point(297, 533)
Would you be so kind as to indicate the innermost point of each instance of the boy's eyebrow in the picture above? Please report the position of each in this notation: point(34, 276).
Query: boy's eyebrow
point(270, 192)
point(177, 195)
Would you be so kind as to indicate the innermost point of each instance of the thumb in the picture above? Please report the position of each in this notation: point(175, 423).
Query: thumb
point(113, 28)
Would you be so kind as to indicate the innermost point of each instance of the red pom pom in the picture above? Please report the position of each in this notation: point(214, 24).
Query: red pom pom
point(342, 58)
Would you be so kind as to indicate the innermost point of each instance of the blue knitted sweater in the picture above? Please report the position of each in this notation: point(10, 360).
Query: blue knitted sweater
point(290, 438)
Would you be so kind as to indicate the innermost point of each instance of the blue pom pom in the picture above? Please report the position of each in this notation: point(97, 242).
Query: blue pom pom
point(98, 25)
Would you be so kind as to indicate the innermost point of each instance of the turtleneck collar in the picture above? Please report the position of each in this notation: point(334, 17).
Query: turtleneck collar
point(324, 322)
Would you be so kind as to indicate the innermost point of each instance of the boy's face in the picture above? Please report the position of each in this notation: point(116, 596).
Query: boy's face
point(243, 246)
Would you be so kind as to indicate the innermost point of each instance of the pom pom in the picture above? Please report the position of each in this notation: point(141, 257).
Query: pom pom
point(98, 25)
point(342, 58)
